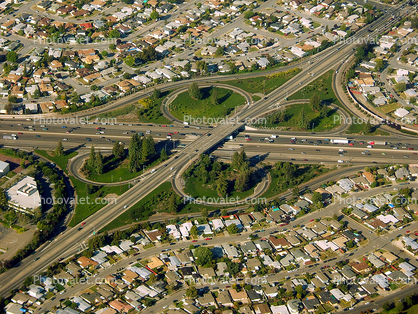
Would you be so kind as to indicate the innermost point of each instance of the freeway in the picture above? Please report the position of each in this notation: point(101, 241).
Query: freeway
point(67, 243)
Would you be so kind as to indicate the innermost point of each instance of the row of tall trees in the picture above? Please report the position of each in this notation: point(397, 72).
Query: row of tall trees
point(141, 150)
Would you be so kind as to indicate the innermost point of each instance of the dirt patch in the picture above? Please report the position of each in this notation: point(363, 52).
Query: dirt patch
point(111, 197)
point(11, 241)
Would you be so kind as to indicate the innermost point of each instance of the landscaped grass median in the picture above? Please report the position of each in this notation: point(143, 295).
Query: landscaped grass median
point(184, 104)
point(263, 84)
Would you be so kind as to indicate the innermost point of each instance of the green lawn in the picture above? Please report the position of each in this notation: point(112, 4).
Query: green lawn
point(262, 84)
point(320, 124)
point(60, 161)
point(93, 201)
point(117, 112)
point(359, 129)
point(186, 105)
point(115, 169)
point(195, 188)
point(255, 98)
point(321, 86)
point(413, 309)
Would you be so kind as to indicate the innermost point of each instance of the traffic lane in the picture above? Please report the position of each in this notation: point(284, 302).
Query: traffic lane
point(306, 141)
point(270, 150)
point(93, 128)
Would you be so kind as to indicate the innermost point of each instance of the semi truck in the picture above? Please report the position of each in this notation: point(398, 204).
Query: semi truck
point(9, 137)
point(340, 141)
point(377, 143)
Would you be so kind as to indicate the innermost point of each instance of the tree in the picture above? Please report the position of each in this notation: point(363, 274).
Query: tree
point(315, 102)
point(12, 56)
point(118, 149)
point(232, 229)
point(316, 197)
point(192, 293)
point(400, 87)
point(248, 14)
point(379, 64)
point(194, 91)
point(205, 213)
point(92, 157)
point(222, 185)
point(156, 93)
point(368, 128)
point(104, 53)
point(193, 231)
point(152, 278)
point(98, 163)
point(241, 183)
point(135, 153)
point(203, 255)
point(12, 99)
point(154, 15)
point(59, 150)
point(303, 122)
point(163, 154)
point(295, 191)
point(214, 97)
point(114, 33)
point(172, 203)
point(36, 93)
point(399, 306)
point(350, 244)
point(219, 51)
point(387, 306)
point(148, 148)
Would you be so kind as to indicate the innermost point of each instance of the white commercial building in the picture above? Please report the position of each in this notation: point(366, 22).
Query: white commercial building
point(24, 195)
point(4, 168)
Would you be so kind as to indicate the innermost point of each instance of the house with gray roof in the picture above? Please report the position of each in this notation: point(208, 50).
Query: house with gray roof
point(249, 248)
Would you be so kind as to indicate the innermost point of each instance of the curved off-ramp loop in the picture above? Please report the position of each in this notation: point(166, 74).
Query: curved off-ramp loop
point(75, 164)
point(165, 105)
point(259, 190)
point(285, 104)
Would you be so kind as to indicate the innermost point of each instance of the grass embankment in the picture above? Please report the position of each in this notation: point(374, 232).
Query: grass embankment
point(263, 84)
point(321, 86)
point(158, 200)
point(361, 128)
point(136, 113)
point(320, 124)
point(281, 172)
point(184, 104)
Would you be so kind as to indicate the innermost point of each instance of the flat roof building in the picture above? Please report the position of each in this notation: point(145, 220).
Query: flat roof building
point(24, 195)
